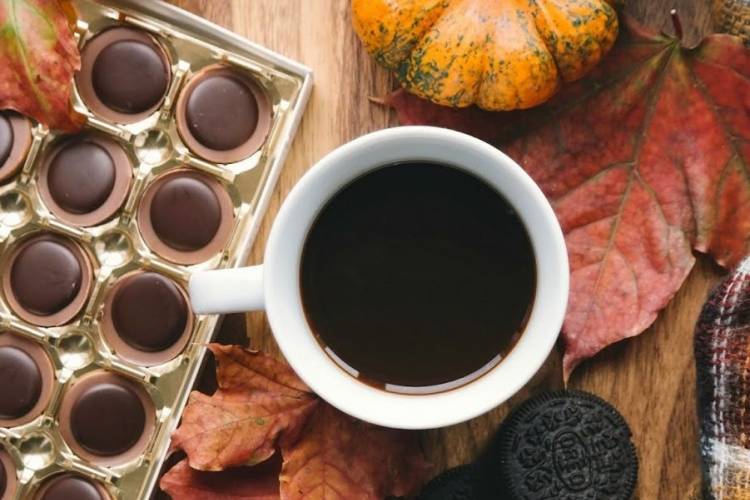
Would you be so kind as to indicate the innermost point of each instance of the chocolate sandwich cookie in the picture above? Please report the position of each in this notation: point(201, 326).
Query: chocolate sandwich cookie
point(565, 445)
point(465, 482)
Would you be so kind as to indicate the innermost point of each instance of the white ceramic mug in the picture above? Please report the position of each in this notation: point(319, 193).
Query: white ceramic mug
point(275, 286)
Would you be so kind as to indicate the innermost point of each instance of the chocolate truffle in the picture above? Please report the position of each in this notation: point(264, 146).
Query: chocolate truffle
point(125, 74)
point(81, 177)
point(149, 312)
point(26, 380)
point(3, 480)
point(223, 115)
point(84, 179)
point(69, 487)
point(146, 318)
point(46, 277)
point(20, 383)
point(130, 76)
point(6, 139)
point(186, 216)
point(8, 479)
point(15, 142)
point(107, 419)
point(221, 112)
point(185, 213)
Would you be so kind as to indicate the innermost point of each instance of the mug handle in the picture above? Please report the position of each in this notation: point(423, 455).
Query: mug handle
point(227, 291)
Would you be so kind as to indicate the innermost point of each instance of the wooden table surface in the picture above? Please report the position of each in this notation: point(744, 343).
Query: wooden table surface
point(650, 379)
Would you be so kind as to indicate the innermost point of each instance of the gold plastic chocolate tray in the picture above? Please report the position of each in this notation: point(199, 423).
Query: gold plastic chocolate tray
point(116, 247)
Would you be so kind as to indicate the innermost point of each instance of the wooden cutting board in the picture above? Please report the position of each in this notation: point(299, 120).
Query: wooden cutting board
point(651, 379)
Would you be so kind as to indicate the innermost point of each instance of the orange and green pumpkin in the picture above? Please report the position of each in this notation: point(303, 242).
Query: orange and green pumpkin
point(497, 54)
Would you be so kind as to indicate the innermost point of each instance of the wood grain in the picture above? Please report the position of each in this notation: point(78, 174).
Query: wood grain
point(650, 378)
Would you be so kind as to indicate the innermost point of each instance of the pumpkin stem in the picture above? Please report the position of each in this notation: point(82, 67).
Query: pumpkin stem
point(380, 101)
point(676, 23)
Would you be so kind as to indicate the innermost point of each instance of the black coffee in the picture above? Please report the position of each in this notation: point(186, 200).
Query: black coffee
point(417, 275)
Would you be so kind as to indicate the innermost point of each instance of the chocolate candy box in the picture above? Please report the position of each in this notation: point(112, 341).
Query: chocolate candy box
point(187, 129)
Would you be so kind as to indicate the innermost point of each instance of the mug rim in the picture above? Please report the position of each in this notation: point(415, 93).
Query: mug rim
point(283, 255)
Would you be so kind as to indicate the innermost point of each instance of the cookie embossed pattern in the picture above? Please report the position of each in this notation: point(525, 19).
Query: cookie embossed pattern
point(566, 445)
point(98, 341)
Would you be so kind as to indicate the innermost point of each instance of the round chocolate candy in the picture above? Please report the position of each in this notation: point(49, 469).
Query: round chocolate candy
point(48, 280)
point(108, 418)
point(15, 142)
point(8, 481)
point(81, 177)
point(186, 216)
point(147, 318)
point(124, 75)
point(26, 380)
point(6, 138)
point(3, 480)
point(130, 76)
point(69, 487)
point(85, 179)
point(149, 312)
point(223, 115)
point(20, 383)
point(565, 444)
point(46, 277)
point(222, 112)
point(185, 213)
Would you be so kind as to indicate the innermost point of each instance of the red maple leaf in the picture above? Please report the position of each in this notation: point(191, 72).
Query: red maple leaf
point(644, 160)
